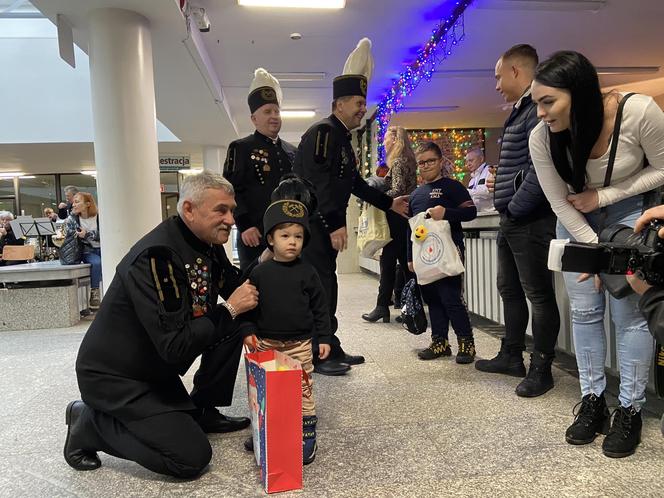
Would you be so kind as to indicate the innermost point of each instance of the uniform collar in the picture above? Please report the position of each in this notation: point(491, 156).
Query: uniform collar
point(191, 239)
point(341, 125)
point(267, 139)
point(523, 97)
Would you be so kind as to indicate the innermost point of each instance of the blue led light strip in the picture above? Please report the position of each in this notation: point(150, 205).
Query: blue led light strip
point(448, 33)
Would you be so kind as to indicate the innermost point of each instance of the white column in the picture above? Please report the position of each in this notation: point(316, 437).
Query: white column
point(124, 117)
point(214, 158)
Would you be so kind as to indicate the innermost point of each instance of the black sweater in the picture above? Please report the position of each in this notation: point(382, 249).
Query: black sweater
point(291, 303)
point(450, 194)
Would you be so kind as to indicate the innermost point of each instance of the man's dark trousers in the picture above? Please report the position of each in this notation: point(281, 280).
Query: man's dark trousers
point(523, 248)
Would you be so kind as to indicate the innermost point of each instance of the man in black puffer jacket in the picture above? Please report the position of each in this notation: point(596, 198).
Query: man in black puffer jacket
point(527, 225)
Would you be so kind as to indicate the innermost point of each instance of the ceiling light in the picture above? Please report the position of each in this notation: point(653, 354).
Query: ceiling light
point(628, 70)
point(29, 177)
point(89, 172)
point(299, 76)
point(10, 175)
point(589, 5)
point(296, 4)
point(298, 114)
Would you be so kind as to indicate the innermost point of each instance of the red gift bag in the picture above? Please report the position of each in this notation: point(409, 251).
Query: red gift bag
point(274, 388)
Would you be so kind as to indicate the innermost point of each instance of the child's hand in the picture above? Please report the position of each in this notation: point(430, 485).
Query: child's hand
point(250, 342)
point(323, 351)
point(436, 212)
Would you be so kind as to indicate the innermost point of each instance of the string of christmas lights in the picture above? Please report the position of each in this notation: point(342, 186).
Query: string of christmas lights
point(448, 33)
point(454, 144)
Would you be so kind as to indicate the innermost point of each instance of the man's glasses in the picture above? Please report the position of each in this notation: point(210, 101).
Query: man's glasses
point(427, 162)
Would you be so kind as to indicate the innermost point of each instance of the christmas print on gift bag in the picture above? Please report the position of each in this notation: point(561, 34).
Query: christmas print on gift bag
point(373, 232)
point(435, 255)
point(274, 388)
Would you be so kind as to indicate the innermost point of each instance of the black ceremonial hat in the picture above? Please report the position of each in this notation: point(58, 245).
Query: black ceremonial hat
point(286, 211)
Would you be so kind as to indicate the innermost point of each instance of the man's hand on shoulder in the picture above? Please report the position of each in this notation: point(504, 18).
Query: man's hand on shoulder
point(244, 298)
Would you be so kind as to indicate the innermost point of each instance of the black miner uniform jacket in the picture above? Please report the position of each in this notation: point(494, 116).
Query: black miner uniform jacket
point(327, 159)
point(151, 325)
point(254, 165)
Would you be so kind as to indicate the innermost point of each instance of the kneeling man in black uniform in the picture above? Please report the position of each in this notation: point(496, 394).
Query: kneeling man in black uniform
point(160, 313)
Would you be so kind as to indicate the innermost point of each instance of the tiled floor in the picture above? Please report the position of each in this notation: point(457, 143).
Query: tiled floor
point(396, 426)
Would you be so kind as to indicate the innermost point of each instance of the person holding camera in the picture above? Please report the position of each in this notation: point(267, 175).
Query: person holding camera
point(572, 152)
point(652, 297)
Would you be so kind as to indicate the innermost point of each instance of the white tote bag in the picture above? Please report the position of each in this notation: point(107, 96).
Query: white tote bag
point(435, 255)
point(373, 231)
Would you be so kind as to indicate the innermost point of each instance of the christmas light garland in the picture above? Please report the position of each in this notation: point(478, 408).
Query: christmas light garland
point(448, 33)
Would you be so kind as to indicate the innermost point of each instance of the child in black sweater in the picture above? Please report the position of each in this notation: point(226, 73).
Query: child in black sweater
point(443, 199)
point(292, 307)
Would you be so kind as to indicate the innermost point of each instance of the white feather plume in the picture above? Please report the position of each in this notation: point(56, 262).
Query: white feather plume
point(360, 60)
point(263, 78)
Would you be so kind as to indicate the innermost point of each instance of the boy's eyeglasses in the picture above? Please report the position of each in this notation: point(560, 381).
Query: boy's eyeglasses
point(427, 162)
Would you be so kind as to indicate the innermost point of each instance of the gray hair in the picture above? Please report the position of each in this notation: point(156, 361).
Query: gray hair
point(6, 215)
point(70, 189)
point(193, 186)
point(476, 151)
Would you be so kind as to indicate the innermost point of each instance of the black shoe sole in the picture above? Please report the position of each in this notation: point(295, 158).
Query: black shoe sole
point(465, 361)
point(612, 454)
point(580, 442)
point(510, 373)
point(386, 319)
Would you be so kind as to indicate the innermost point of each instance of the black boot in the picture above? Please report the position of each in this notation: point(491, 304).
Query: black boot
point(466, 352)
point(625, 433)
point(78, 452)
point(591, 419)
point(506, 362)
point(539, 379)
point(309, 446)
point(378, 313)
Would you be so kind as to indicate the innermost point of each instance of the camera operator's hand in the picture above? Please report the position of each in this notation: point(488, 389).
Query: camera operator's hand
point(656, 213)
point(639, 286)
point(491, 179)
point(586, 202)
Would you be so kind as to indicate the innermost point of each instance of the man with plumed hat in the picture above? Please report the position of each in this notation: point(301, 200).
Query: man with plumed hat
point(254, 165)
point(327, 159)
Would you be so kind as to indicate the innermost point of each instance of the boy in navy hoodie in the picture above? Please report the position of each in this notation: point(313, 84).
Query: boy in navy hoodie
point(443, 199)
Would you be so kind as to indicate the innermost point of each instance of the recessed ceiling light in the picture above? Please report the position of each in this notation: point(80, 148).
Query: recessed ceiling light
point(89, 173)
point(297, 114)
point(10, 175)
point(28, 177)
point(295, 4)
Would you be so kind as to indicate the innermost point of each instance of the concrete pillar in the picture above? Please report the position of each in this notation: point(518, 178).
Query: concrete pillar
point(214, 158)
point(124, 118)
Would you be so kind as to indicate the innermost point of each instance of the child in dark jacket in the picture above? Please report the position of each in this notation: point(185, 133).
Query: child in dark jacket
point(443, 199)
point(292, 307)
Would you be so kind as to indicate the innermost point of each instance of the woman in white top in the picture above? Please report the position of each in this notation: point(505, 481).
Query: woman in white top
point(84, 220)
point(570, 152)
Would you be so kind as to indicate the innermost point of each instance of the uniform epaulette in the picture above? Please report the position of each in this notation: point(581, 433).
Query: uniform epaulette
point(322, 143)
point(161, 268)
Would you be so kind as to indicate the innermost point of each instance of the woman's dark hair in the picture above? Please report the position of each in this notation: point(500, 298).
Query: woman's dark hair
point(573, 72)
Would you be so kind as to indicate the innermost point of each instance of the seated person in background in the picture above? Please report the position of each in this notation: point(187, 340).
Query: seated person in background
point(292, 307)
point(7, 237)
point(479, 170)
point(50, 214)
point(443, 199)
point(84, 221)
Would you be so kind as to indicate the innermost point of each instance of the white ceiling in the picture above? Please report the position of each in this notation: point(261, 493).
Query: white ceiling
point(623, 33)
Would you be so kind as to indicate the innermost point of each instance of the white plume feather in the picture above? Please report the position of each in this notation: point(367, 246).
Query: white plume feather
point(263, 78)
point(360, 60)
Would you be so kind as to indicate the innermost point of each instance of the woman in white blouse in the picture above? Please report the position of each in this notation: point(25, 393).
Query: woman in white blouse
point(570, 151)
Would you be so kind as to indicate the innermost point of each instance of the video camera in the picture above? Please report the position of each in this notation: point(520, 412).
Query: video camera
point(620, 251)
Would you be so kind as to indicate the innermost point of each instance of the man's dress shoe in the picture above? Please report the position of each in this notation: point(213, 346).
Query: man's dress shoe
point(211, 420)
point(331, 367)
point(75, 453)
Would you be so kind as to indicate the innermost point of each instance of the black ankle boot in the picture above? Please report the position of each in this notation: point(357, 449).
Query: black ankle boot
point(506, 362)
point(539, 379)
point(77, 452)
point(378, 313)
point(625, 433)
point(592, 418)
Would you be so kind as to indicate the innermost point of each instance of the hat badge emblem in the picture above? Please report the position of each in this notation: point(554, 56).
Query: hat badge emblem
point(363, 86)
point(268, 94)
point(293, 209)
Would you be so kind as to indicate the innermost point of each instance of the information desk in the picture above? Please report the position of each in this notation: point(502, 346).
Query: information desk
point(42, 295)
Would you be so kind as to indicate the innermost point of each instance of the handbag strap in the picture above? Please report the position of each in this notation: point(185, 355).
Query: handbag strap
point(612, 155)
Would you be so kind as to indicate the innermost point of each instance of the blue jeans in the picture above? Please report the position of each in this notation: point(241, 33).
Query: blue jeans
point(92, 256)
point(633, 340)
